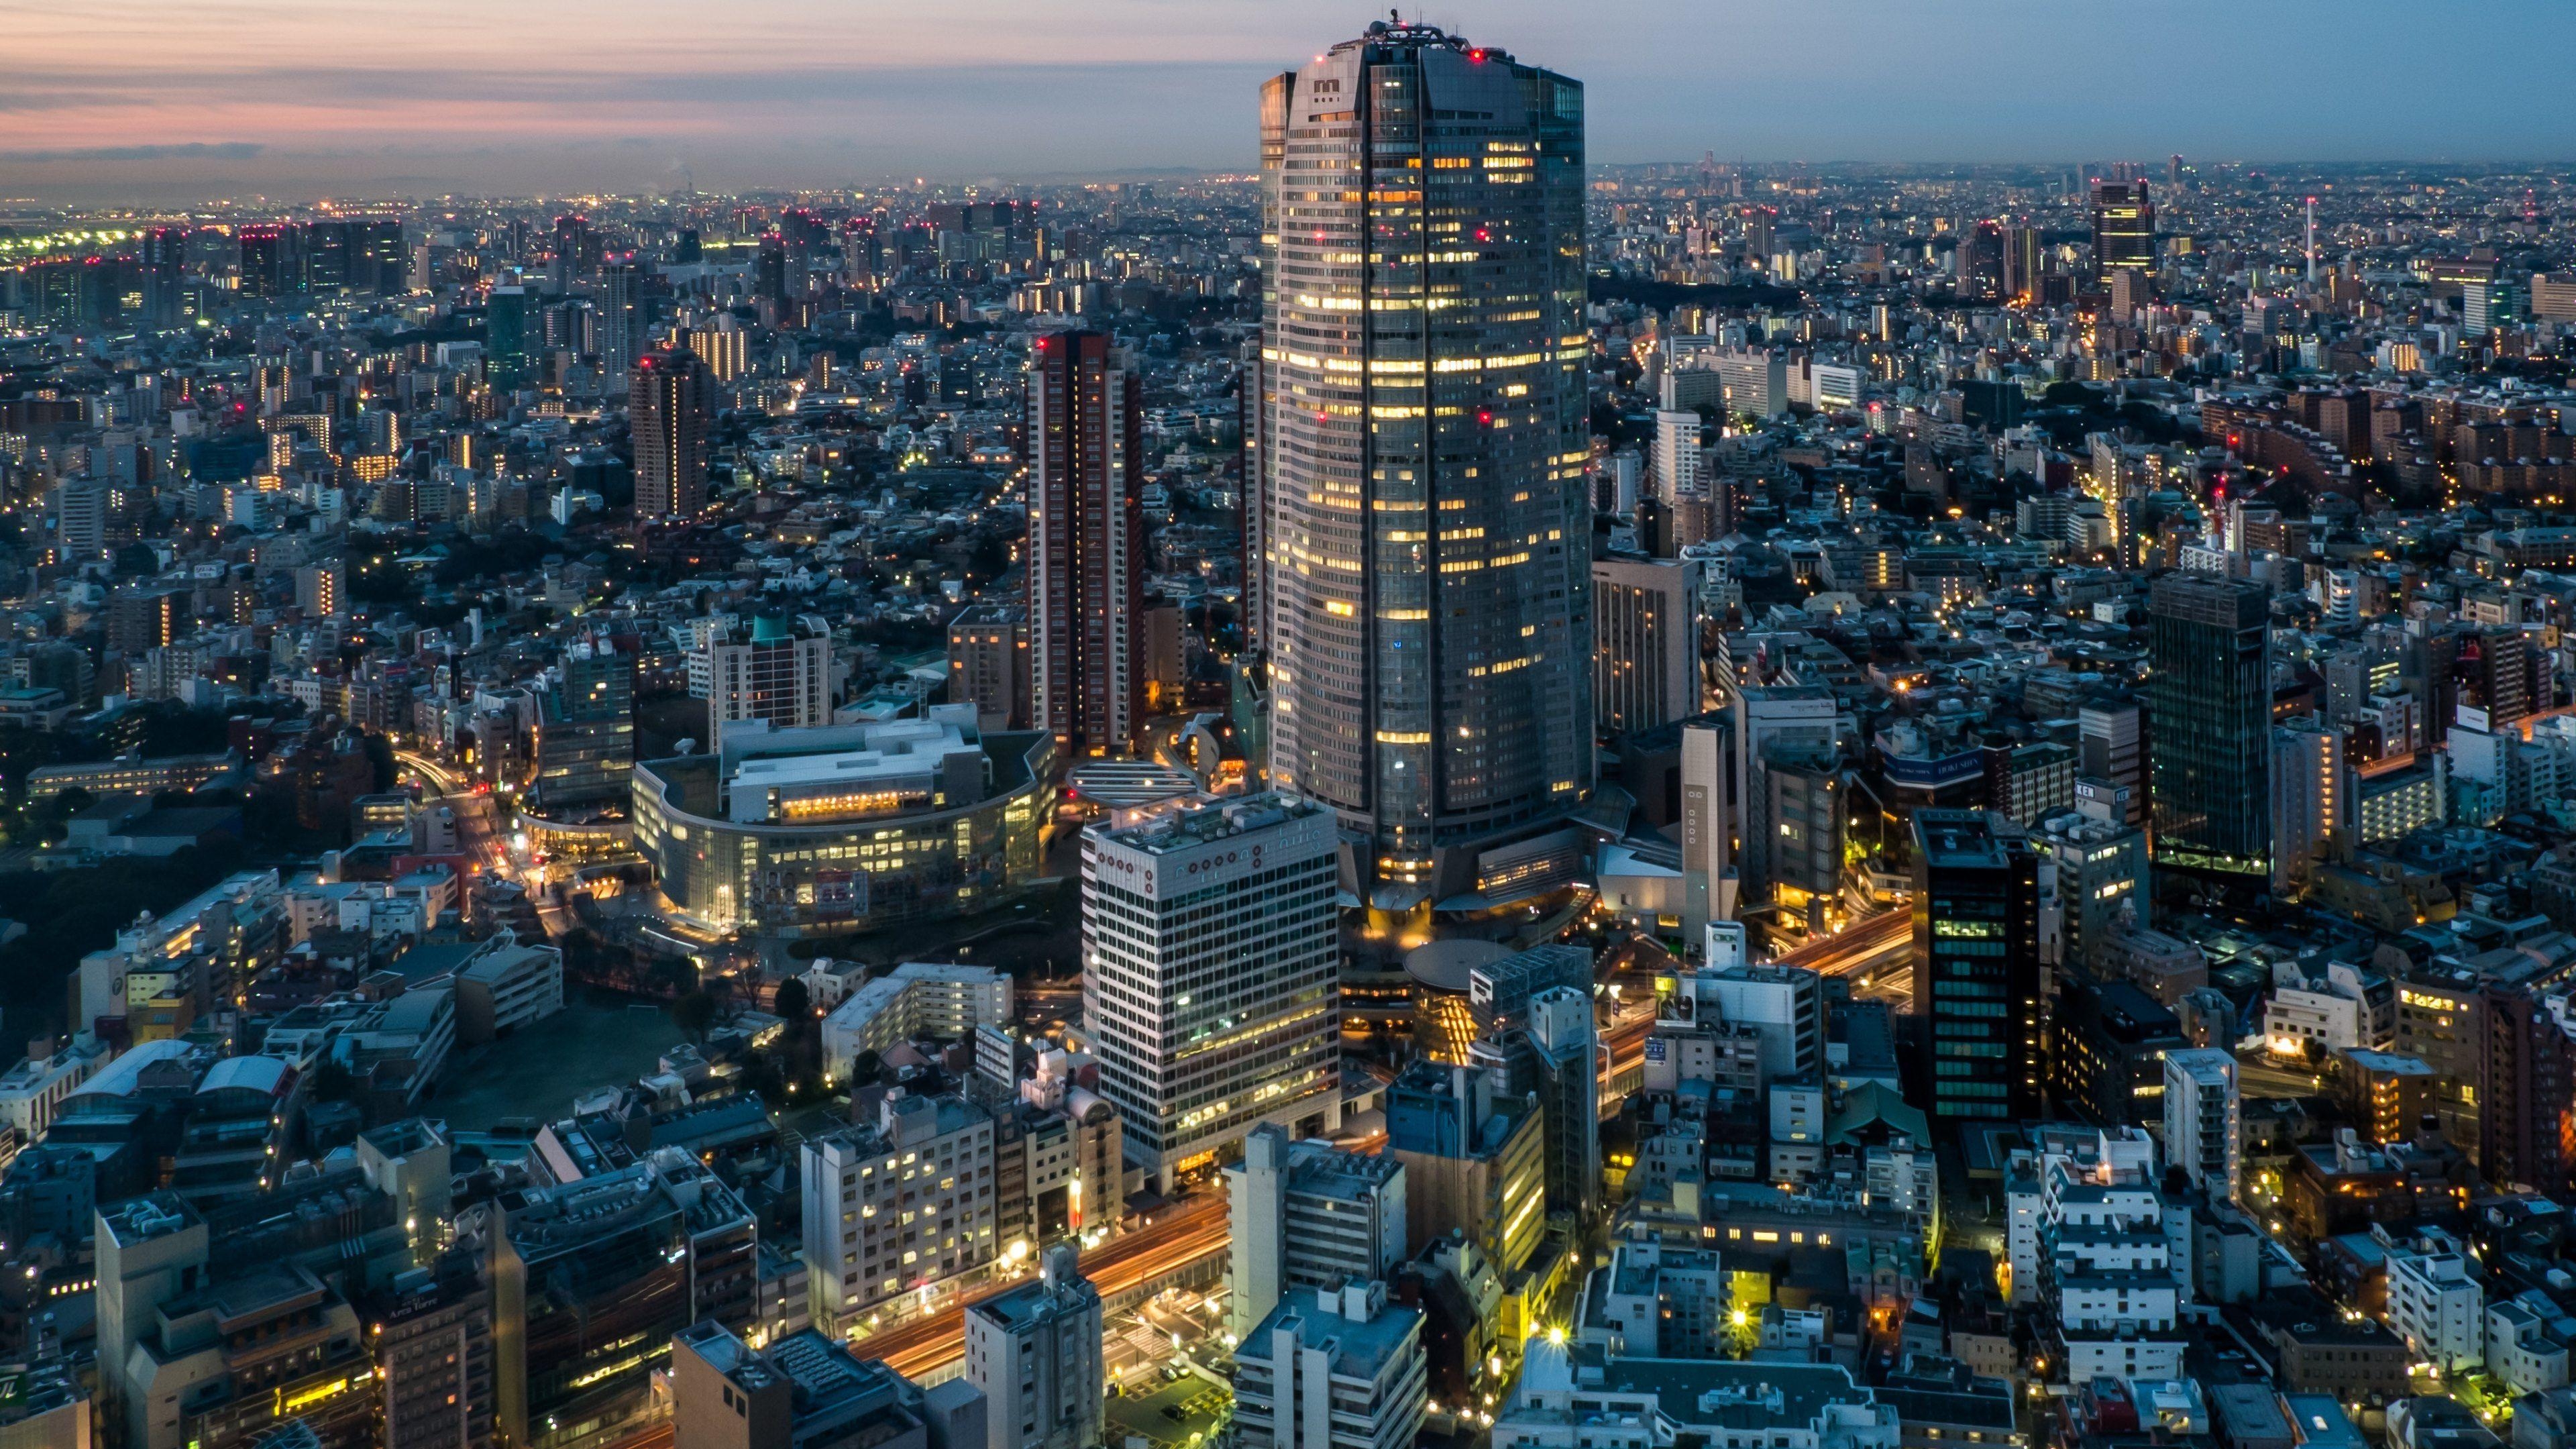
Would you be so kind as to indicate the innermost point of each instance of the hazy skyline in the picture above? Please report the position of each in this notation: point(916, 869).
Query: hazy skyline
point(303, 98)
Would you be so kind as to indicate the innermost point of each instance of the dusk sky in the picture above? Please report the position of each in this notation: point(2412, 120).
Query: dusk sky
point(302, 97)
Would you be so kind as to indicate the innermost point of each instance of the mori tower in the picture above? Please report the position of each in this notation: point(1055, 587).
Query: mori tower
point(1422, 530)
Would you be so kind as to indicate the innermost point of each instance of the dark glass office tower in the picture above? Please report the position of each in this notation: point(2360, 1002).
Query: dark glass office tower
point(505, 339)
point(1980, 994)
point(1424, 454)
point(268, 267)
point(2209, 711)
point(2124, 229)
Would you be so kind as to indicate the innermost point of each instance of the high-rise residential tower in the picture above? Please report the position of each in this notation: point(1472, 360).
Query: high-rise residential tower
point(669, 408)
point(621, 315)
point(2202, 1119)
point(773, 669)
point(161, 255)
point(2209, 707)
point(1423, 450)
point(1086, 545)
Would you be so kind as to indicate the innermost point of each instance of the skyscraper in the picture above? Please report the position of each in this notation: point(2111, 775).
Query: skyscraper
point(1424, 448)
point(267, 261)
point(620, 316)
point(2124, 229)
point(1206, 1032)
point(577, 246)
point(2025, 262)
point(670, 404)
point(1086, 545)
point(1978, 986)
point(769, 269)
point(505, 336)
point(162, 258)
point(2209, 709)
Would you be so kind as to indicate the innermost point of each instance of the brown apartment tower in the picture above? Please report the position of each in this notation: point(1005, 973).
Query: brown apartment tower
point(670, 405)
point(1086, 545)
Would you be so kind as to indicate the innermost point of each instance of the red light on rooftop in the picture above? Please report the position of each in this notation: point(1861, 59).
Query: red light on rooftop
point(1478, 56)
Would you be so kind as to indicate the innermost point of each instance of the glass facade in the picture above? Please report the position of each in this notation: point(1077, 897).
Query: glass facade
point(2209, 704)
point(1424, 450)
point(845, 875)
point(1979, 986)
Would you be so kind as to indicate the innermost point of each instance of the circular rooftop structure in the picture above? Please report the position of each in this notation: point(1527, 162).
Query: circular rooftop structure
point(1444, 965)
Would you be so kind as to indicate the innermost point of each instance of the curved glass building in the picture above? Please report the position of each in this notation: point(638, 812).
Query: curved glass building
point(838, 829)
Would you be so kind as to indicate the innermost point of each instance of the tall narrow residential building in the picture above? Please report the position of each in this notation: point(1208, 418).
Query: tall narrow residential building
point(1979, 988)
point(2203, 1131)
point(2209, 707)
point(1210, 981)
point(1034, 1353)
point(773, 669)
point(670, 405)
point(1086, 544)
point(620, 337)
point(1424, 447)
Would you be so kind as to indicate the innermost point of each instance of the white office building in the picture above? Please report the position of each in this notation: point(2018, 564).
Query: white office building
point(1211, 971)
point(1677, 454)
point(33, 1091)
point(1785, 1003)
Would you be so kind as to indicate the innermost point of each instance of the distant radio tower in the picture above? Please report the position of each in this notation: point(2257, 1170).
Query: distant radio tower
point(2312, 241)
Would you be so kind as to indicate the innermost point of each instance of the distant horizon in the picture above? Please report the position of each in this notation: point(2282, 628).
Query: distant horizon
point(299, 99)
point(419, 190)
